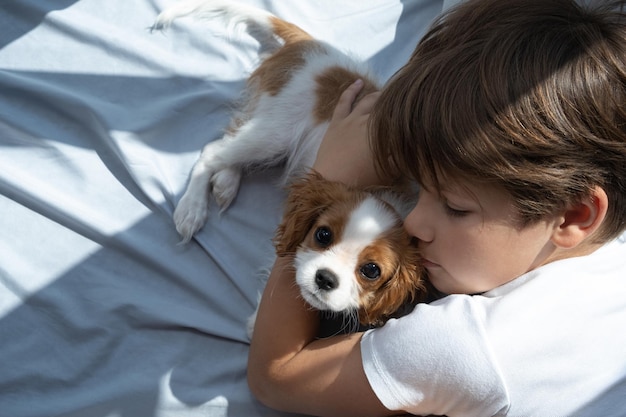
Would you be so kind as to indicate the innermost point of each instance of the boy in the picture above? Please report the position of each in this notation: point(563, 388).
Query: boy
point(511, 117)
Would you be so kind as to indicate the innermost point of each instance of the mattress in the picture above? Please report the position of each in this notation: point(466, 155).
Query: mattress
point(102, 311)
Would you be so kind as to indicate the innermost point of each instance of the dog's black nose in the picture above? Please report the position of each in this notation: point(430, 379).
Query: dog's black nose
point(326, 280)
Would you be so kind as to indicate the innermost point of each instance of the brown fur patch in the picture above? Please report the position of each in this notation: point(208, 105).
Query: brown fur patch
point(330, 84)
point(289, 32)
point(308, 198)
point(401, 280)
point(276, 71)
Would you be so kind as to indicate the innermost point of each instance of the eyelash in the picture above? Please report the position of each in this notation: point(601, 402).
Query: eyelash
point(454, 212)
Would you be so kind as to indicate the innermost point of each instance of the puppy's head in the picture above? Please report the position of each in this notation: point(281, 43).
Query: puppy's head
point(352, 253)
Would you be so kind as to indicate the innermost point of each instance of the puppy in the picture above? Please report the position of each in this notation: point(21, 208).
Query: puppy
point(351, 252)
point(286, 108)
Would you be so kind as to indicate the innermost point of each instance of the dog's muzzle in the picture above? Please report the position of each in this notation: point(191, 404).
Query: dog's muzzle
point(326, 280)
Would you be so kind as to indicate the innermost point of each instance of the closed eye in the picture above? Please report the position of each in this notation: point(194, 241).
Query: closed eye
point(453, 212)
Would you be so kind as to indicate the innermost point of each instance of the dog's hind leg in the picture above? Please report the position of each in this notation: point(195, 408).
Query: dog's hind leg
point(258, 144)
point(193, 208)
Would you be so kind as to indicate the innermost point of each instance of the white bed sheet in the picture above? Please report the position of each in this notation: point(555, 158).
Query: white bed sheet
point(102, 313)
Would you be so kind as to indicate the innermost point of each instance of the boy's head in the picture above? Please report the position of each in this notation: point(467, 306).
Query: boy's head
point(526, 95)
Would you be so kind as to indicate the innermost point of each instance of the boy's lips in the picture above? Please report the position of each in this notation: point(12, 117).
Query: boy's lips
point(429, 264)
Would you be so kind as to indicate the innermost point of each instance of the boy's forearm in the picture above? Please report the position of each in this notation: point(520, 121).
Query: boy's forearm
point(285, 324)
point(290, 370)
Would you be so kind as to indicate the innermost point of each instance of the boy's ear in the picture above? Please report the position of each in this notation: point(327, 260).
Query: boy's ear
point(581, 220)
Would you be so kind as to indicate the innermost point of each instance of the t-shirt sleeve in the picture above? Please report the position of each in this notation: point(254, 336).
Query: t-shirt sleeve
point(436, 360)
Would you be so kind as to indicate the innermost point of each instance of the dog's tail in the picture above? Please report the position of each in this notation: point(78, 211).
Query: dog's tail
point(270, 31)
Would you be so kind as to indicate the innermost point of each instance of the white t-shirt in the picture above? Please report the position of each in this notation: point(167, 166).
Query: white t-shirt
point(550, 343)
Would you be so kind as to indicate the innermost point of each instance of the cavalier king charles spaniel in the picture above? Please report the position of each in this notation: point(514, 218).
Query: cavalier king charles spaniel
point(351, 252)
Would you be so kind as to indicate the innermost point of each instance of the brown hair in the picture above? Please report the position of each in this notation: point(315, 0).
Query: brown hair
point(527, 95)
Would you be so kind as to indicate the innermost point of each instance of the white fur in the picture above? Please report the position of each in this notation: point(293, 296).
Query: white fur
point(366, 223)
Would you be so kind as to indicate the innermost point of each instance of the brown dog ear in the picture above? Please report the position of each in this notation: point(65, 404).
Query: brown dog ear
point(308, 197)
point(396, 300)
point(397, 297)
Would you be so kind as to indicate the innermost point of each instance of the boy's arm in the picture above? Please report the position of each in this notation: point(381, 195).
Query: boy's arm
point(290, 370)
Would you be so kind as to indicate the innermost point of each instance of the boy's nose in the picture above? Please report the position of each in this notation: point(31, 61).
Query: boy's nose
point(417, 224)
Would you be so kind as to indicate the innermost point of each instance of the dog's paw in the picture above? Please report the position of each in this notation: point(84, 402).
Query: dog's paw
point(190, 215)
point(225, 185)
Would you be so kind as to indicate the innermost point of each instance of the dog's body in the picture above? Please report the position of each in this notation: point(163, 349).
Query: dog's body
point(352, 253)
point(288, 104)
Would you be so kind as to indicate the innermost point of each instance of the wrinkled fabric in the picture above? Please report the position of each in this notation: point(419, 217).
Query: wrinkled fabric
point(102, 312)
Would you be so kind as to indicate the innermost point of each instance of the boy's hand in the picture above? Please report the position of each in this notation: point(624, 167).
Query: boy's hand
point(345, 154)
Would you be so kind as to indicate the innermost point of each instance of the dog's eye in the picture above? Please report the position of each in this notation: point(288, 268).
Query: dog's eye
point(370, 271)
point(323, 236)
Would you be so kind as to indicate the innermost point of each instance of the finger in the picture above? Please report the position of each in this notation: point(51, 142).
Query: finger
point(365, 105)
point(344, 105)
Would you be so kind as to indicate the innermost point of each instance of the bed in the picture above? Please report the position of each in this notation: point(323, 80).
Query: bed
point(102, 311)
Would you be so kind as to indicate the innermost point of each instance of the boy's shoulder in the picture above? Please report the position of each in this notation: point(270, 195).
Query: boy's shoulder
point(606, 266)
